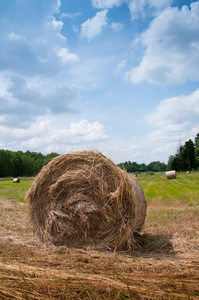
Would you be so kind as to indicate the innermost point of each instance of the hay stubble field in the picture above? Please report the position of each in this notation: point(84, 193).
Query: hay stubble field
point(164, 263)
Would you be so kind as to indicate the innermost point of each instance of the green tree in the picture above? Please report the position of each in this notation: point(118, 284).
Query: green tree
point(188, 154)
point(179, 159)
point(49, 157)
point(3, 161)
point(170, 163)
point(28, 164)
point(154, 166)
point(196, 143)
point(157, 166)
point(196, 140)
point(17, 164)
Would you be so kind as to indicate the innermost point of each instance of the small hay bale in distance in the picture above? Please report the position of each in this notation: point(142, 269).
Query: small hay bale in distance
point(82, 199)
point(171, 174)
point(16, 180)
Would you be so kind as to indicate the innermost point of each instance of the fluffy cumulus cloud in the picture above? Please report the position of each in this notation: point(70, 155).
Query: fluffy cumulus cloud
point(38, 47)
point(93, 27)
point(138, 8)
point(42, 136)
point(172, 47)
point(106, 3)
point(66, 56)
point(33, 51)
point(174, 119)
point(144, 8)
point(133, 149)
point(82, 132)
point(13, 36)
point(52, 81)
point(116, 26)
point(22, 102)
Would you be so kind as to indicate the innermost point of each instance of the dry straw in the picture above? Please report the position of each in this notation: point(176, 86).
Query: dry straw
point(82, 199)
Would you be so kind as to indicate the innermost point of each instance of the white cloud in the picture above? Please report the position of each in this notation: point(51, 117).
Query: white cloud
point(138, 8)
point(120, 67)
point(20, 138)
point(30, 51)
point(134, 150)
point(135, 147)
point(14, 37)
point(160, 4)
point(22, 101)
point(116, 26)
point(175, 119)
point(42, 136)
point(93, 27)
point(75, 28)
point(144, 8)
point(4, 84)
point(65, 56)
point(82, 132)
point(57, 25)
point(70, 16)
point(172, 44)
point(57, 5)
point(106, 3)
point(176, 110)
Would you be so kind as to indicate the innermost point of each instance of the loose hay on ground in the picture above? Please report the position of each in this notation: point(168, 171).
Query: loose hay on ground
point(81, 199)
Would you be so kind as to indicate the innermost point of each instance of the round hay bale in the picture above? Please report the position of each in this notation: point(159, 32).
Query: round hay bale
point(82, 199)
point(171, 174)
point(16, 180)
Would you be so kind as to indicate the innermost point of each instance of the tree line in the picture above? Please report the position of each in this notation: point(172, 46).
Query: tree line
point(133, 167)
point(187, 156)
point(18, 163)
point(27, 164)
point(186, 159)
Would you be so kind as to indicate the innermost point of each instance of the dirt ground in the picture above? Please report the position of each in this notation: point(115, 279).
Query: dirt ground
point(163, 265)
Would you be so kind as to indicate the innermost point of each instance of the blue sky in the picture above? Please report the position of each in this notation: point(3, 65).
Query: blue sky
point(118, 76)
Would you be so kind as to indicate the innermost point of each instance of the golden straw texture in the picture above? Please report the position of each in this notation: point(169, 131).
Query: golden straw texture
point(82, 199)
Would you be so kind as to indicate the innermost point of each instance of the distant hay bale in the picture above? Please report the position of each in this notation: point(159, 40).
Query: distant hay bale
point(16, 180)
point(82, 200)
point(171, 174)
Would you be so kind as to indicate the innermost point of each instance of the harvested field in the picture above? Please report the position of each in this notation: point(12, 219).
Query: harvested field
point(163, 265)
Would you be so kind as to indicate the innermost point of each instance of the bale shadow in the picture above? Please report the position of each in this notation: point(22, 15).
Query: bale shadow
point(157, 246)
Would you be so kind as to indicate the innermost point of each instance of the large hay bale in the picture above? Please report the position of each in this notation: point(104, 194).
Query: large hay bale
point(81, 199)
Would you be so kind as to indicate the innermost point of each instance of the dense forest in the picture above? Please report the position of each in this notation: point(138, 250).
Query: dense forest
point(133, 167)
point(15, 164)
point(24, 164)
